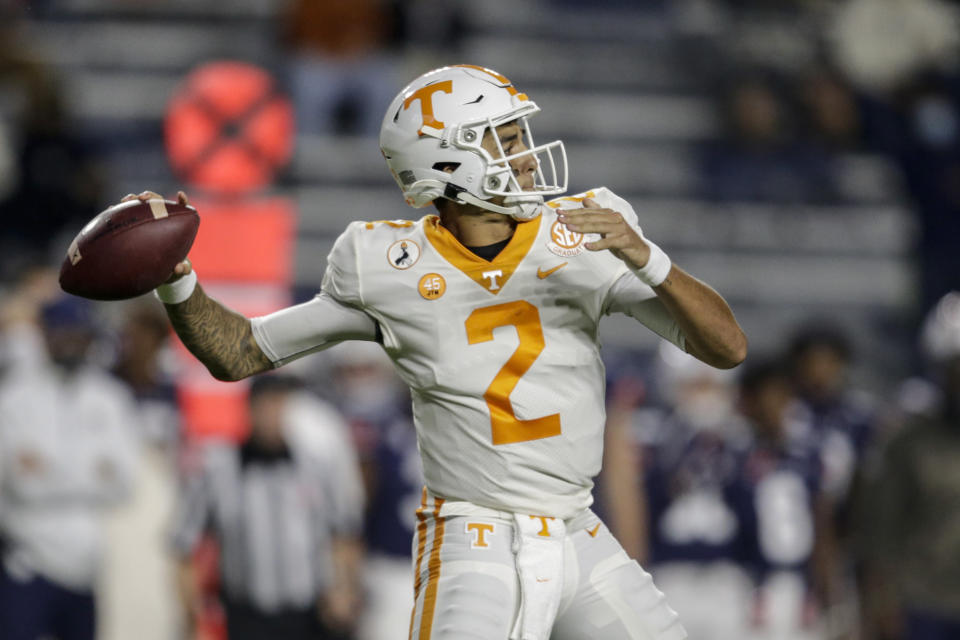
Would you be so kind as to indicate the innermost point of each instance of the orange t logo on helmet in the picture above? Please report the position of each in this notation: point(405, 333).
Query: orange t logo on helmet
point(425, 96)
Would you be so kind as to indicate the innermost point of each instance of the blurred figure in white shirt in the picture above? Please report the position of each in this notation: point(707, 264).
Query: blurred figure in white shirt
point(67, 452)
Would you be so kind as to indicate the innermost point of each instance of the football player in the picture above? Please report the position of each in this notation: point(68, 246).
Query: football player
point(697, 531)
point(778, 496)
point(489, 311)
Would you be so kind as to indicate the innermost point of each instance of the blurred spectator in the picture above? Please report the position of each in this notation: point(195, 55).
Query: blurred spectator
point(21, 340)
point(377, 405)
point(285, 507)
point(914, 523)
point(778, 481)
point(688, 463)
point(67, 451)
point(760, 159)
point(58, 183)
point(831, 111)
point(342, 70)
point(143, 364)
point(844, 422)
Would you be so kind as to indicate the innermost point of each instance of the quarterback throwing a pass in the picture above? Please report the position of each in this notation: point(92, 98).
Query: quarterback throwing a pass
point(490, 313)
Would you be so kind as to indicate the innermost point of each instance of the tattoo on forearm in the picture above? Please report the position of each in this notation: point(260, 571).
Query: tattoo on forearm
point(220, 338)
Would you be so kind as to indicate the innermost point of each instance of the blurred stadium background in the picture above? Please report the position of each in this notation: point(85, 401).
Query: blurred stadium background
point(803, 156)
point(763, 142)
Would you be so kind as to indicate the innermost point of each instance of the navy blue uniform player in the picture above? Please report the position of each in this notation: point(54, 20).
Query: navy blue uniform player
point(778, 487)
point(699, 540)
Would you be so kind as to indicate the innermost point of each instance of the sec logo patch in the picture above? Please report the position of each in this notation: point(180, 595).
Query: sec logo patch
point(432, 286)
point(564, 242)
point(403, 254)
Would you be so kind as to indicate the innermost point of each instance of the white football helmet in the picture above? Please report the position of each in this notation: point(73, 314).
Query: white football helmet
point(439, 120)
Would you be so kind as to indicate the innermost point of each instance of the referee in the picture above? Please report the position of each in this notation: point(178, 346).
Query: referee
point(285, 507)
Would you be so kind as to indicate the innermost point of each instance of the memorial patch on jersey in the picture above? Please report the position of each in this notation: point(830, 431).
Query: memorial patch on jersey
point(403, 254)
point(432, 286)
point(564, 242)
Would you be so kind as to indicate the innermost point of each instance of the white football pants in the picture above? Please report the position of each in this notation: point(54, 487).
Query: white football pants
point(467, 587)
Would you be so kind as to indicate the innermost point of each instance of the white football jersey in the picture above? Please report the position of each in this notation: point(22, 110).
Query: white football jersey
point(502, 357)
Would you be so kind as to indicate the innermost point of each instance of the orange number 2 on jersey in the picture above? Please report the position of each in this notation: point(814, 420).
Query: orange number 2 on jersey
point(507, 428)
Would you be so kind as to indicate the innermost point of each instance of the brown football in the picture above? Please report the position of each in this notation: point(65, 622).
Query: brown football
point(128, 249)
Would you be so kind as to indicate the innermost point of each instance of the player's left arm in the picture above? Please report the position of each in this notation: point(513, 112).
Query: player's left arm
point(709, 328)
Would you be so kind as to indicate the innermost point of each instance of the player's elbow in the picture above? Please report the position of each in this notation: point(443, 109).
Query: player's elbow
point(733, 353)
point(720, 353)
point(239, 365)
point(226, 374)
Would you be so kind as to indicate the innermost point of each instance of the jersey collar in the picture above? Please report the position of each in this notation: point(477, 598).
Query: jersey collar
point(492, 275)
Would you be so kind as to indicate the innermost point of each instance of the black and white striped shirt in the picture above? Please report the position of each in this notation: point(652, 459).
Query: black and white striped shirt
point(275, 514)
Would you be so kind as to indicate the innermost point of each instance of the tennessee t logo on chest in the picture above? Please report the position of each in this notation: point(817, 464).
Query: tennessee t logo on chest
point(493, 278)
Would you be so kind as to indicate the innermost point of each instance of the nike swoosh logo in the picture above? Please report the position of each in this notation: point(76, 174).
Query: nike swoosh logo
point(593, 532)
point(543, 274)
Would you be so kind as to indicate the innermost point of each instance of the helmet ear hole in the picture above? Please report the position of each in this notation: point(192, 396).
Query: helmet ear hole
point(448, 167)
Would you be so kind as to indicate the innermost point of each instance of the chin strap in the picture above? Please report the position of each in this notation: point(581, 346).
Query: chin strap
point(519, 211)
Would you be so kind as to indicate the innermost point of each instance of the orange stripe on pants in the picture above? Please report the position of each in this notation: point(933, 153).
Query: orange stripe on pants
point(421, 547)
point(433, 570)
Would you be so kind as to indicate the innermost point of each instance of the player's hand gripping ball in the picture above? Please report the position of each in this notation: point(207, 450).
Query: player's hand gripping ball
point(130, 248)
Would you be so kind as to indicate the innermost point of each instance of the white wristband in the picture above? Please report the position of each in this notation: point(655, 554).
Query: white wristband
point(178, 290)
point(657, 268)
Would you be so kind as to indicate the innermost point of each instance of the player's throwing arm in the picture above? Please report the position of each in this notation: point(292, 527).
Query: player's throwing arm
point(220, 338)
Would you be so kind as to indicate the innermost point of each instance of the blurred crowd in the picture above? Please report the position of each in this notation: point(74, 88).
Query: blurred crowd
point(775, 501)
point(800, 88)
point(780, 501)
